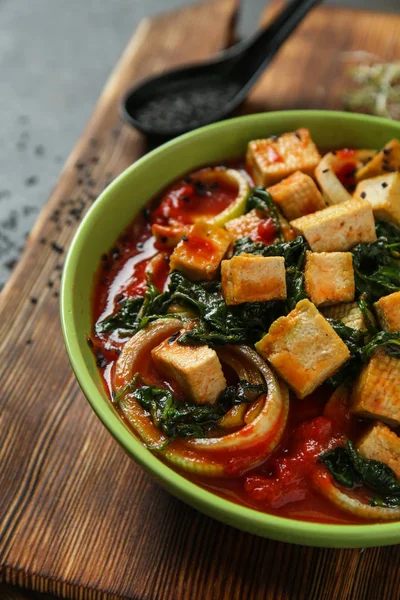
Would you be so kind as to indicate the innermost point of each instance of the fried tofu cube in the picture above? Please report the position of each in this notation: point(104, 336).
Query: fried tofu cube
point(376, 393)
point(339, 227)
point(382, 444)
point(297, 195)
point(249, 278)
point(199, 254)
point(385, 161)
point(270, 160)
point(383, 193)
point(255, 226)
point(329, 277)
point(303, 348)
point(388, 312)
point(350, 314)
point(196, 370)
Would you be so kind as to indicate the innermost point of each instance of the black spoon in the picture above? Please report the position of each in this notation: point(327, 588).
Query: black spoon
point(181, 100)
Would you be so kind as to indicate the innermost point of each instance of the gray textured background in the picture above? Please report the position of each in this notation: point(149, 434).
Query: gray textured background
point(55, 56)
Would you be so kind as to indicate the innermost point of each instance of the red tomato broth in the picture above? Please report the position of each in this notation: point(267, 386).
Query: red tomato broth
point(189, 199)
point(122, 274)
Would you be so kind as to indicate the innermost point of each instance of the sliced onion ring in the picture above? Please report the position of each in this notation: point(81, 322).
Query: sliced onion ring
point(222, 456)
point(324, 484)
point(232, 177)
point(333, 190)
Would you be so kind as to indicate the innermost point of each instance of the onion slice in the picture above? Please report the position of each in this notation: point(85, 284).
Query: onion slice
point(333, 190)
point(222, 456)
point(324, 484)
point(231, 177)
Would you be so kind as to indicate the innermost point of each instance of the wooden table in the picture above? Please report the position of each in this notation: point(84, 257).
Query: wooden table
point(77, 517)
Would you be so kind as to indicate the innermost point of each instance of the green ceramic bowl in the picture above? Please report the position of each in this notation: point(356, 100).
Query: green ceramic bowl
point(108, 217)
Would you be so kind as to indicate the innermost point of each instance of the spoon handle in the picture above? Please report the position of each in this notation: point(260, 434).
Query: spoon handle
point(254, 55)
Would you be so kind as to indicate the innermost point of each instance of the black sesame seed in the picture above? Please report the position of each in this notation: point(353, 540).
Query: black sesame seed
point(384, 184)
point(89, 342)
point(273, 137)
point(388, 169)
point(79, 165)
point(334, 152)
point(42, 240)
point(387, 151)
point(95, 159)
point(188, 180)
point(296, 133)
point(104, 257)
point(117, 351)
point(185, 238)
point(120, 298)
point(185, 198)
point(29, 341)
point(56, 294)
point(32, 180)
point(57, 248)
point(363, 194)
point(164, 239)
point(10, 264)
point(50, 283)
point(107, 267)
point(385, 161)
point(91, 182)
point(146, 214)
point(139, 246)
point(325, 171)
point(34, 300)
point(173, 337)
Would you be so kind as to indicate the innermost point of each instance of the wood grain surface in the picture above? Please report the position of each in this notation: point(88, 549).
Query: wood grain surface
point(77, 517)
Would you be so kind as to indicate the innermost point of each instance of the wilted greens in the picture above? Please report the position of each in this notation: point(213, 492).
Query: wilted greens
point(351, 470)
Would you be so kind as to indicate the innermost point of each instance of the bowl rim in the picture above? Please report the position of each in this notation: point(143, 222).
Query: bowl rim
point(239, 516)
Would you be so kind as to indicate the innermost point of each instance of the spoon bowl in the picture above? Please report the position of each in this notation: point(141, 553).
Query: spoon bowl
point(187, 98)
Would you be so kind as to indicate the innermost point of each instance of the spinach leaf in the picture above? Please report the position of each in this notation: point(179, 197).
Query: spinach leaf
point(389, 341)
point(389, 231)
point(376, 269)
point(184, 419)
point(125, 320)
point(136, 313)
point(294, 253)
point(361, 350)
point(239, 393)
point(217, 325)
point(350, 469)
point(260, 199)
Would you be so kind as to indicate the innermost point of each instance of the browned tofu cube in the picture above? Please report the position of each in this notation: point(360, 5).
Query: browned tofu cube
point(270, 160)
point(376, 393)
point(388, 312)
point(339, 227)
point(385, 161)
point(349, 313)
point(383, 193)
point(382, 444)
point(297, 195)
point(249, 278)
point(199, 254)
point(196, 369)
point(329, 277)
point(303, 348)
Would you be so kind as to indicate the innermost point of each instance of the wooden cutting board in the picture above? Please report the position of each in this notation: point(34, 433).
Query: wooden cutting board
point(78, 518)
